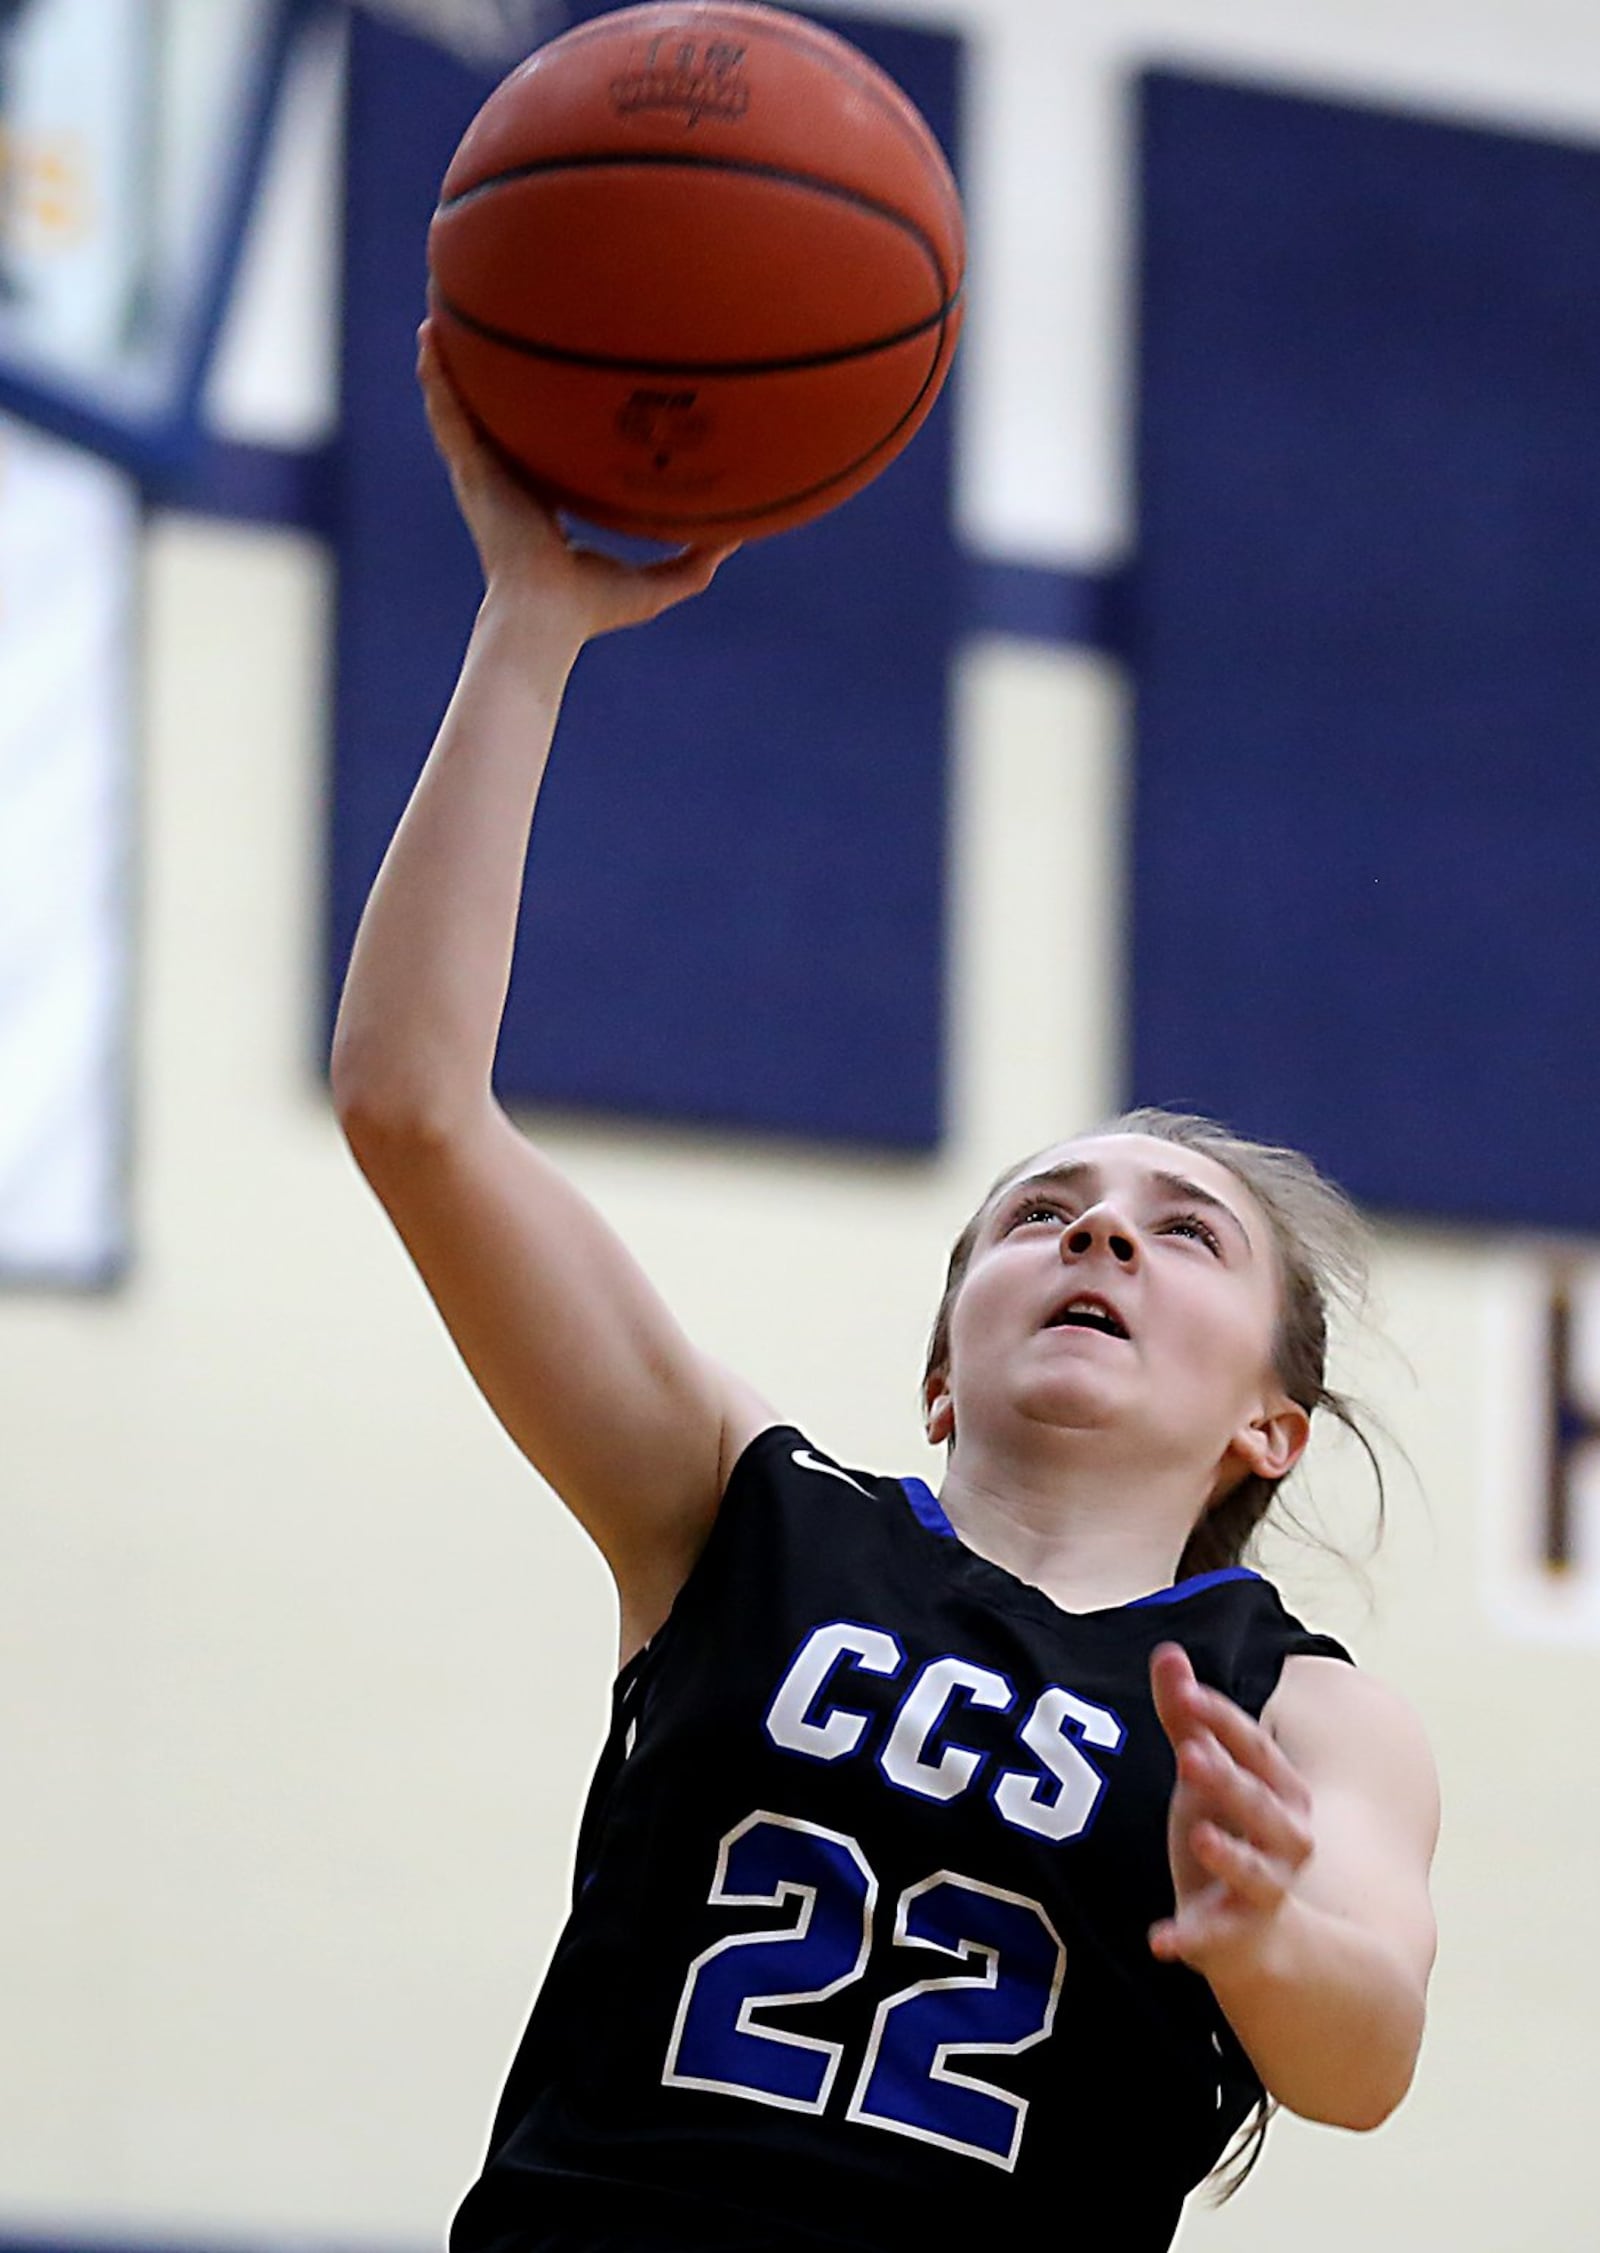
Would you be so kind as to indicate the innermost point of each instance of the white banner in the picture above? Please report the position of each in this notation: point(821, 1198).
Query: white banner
point(68, 532)
point(123, 125)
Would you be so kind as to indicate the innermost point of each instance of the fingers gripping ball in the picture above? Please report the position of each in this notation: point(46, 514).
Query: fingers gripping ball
point(696, 268)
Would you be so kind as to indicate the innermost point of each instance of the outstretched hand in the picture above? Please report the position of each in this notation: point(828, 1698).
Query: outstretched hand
point(1239, 1826)
point(521, 544)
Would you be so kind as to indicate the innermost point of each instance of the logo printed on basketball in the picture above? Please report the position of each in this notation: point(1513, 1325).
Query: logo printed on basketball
point(665, 422)
point(686, 81)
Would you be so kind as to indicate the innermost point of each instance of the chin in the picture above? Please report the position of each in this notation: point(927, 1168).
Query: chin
point(1083, 1408)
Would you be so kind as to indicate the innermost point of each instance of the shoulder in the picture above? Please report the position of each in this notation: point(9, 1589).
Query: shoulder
point(772, 1481)
point(1317, 1692)
point(1346, 1727)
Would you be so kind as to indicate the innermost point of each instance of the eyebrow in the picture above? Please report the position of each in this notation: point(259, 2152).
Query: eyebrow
point(1079, 1172)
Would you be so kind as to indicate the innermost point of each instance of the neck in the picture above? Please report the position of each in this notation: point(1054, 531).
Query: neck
point(1088, 1534)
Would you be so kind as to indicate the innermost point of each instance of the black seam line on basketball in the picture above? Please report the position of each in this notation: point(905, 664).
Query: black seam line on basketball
point(682, 162)
point(625, 364)
point(676, 524)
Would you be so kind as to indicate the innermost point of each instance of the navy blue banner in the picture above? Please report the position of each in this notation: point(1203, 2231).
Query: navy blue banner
point(735, 908)
point(1366, 640)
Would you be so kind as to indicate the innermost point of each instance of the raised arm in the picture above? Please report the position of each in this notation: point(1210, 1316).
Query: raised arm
point(584, 1365)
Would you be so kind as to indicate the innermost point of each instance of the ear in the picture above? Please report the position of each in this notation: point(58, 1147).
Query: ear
point(1271, 1444)
point(938, 1408)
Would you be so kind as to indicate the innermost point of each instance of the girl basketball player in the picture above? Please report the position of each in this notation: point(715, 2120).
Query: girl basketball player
point(955, 1863)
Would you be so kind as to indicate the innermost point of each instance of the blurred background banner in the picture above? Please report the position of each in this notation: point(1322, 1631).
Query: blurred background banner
point(1366, 853)
point(68, 578)
point(131, 134)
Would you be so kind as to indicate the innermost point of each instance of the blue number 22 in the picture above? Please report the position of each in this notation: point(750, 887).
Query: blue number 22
point(908, 2082)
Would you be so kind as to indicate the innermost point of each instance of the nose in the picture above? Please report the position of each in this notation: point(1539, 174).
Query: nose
point(1101, 1228)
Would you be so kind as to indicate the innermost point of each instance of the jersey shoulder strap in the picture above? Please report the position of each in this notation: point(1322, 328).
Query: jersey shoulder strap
point(1251, 1631)
point(782, 1460)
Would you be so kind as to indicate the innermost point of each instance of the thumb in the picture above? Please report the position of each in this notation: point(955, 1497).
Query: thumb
point(645, 592)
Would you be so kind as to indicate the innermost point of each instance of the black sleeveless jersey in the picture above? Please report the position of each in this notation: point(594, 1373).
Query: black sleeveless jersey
point(857, 1955)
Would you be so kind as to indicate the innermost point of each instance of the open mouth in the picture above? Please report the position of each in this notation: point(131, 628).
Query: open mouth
point(1085, 1311)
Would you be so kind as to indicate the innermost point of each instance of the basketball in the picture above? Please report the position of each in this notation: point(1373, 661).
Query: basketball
point(696, 268)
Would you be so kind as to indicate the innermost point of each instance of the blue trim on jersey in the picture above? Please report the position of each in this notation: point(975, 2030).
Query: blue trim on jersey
point(1188, 1587)
point(927, 1509)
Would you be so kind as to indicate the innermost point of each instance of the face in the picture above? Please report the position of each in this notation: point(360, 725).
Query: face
point(1125, 1286)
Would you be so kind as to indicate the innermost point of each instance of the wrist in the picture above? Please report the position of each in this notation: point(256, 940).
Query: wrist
point(1262, 1957)
point(521, 620)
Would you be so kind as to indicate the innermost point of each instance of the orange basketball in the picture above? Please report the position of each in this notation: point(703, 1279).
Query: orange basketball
point(696, 268)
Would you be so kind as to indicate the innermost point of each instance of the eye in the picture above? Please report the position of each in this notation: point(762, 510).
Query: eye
point(1035, 1209)
point(1190, 1224)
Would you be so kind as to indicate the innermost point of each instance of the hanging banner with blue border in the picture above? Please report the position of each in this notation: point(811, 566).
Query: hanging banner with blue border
point(68, 565)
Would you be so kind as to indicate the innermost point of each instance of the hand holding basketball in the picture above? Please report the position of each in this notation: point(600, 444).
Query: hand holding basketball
point(522, 546)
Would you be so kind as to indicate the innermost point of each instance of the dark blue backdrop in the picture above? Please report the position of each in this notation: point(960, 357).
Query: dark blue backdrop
point(1366, 643)
point(735, 912)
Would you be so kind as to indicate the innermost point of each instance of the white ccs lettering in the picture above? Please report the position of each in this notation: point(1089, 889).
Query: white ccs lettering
point(1056, 1796)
